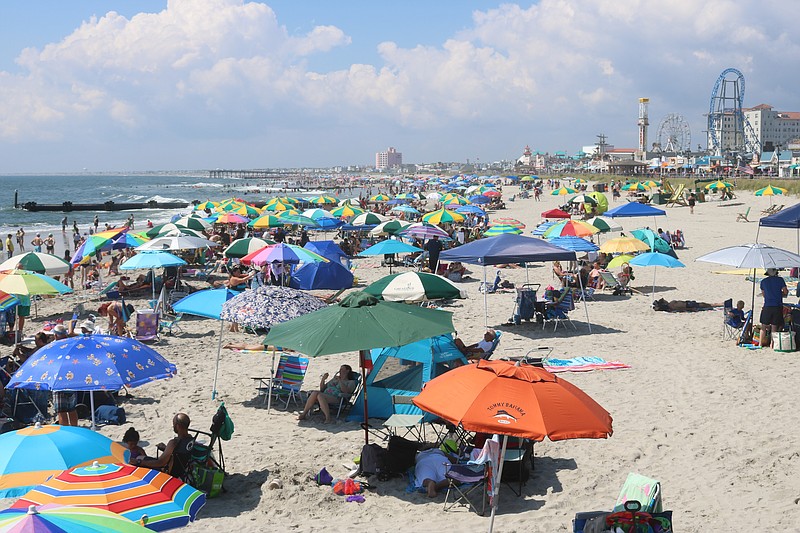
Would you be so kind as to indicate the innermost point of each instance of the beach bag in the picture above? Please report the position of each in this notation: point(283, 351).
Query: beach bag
point(208, 479)
point(223, 421)
point(400, 455)
point(784, 341)
point(373, 459)
point(110, 414)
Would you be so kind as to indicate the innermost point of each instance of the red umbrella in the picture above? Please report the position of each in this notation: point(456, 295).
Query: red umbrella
point(493, 194)
point(556, 213)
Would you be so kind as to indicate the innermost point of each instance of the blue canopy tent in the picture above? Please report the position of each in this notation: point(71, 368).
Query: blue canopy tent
point(508, 248)
point(331, 275)
point(327, 249)
point(785, 218)
point(635, 209)
point(402, 371)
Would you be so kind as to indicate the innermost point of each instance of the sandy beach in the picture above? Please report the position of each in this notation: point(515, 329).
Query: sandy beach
point(714, 423)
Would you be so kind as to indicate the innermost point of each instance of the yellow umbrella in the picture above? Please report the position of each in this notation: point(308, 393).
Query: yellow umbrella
point(618, 260)
point(623, 245)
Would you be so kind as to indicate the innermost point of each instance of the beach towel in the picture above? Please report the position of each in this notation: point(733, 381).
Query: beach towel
point(582, 364)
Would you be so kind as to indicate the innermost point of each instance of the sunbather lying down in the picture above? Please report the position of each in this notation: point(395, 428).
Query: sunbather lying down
point(683, 305)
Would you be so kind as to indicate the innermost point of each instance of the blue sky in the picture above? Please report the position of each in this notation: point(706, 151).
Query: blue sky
point(192, 84)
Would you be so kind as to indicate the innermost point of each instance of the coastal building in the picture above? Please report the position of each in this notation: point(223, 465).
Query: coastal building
point(530, 162)
point(773, 128)
point(391, 158)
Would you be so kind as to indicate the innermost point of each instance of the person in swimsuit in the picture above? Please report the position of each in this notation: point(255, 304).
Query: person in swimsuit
point(330, 392)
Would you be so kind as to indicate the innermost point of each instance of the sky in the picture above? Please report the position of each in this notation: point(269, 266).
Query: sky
point(200, 84)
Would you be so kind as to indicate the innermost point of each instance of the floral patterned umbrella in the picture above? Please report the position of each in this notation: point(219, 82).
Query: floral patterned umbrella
point(268, 305)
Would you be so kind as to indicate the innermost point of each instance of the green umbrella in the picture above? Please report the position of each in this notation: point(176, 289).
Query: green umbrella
point(500, 229)
point(359, 323)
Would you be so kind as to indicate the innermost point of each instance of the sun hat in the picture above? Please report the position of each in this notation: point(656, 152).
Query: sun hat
point(772, 272)
point(60, 329)
point(87, 324)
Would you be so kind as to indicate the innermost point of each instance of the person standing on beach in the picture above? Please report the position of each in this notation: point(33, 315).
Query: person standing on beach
point(75, 227)
point(692, 200)
point(9, 246)
point(774, 289)
point(21, 239)
point(64, 225)
point(96, 223)
point(433, 247)
point(50, 244)
point(37, 243)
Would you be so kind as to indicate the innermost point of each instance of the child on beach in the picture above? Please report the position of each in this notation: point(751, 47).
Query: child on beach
point(131, 441)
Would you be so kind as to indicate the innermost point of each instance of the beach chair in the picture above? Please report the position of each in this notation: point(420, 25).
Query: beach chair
point(558, 310)
point(742, 217)
point(779, 208)
point(495, 343)
point(490, 288)
point(147, 323)
point(410, 424)
point(465, 482)
point(285, 386)
point(677, 196)
point(170, 323)
point(346, 400)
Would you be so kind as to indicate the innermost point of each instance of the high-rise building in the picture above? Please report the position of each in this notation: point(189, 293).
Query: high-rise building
point(391, 158)
point(773, 128)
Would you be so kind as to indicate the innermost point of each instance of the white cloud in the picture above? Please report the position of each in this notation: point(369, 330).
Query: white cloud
point(552, 75)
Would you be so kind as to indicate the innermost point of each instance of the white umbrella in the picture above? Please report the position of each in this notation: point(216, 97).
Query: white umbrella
point(176, 242)
point(369, 217)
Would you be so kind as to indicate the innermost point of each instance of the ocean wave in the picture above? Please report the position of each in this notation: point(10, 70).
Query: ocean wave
point(164, 199)
point(201, 184)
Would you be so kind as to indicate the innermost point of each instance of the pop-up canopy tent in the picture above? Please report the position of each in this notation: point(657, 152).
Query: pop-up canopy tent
point(327, 249)
point(402, 371)
point(331, 275)
point(785, 218)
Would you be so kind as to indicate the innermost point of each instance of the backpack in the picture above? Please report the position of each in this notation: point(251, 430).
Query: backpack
point(400, 455)
point(373, 460)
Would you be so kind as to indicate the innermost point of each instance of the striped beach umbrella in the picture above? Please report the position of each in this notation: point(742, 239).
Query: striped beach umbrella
point(27, 283)
point(442, 216)
point(424, 230)
point(208, 204)
point(128, 240)
point(576, 244)
point(770, 190)
point(166, 228)
point(580, 181)
point(604, 224)
point(194, 222)
point(501, 229)
point(241, 247)
point(392, 227)
point(266, 221)
point(719, 185)
point(505, 221)
point(369, 219)
point(30, 455)
point(296, 219)
point(635, 186)
point(282, 253)
point(7, 301)
point(155, 499)
point(322, 200)
point(407, 196)
point(451, 198)
point(60, 518)
point(573, 228)
point(563, 191)
point(412, 287)
point(317, 213)
point(346, 210)
point(380, 197)
point(277, 205)
point(246, 211)
point(652, 184)
point(38, 262)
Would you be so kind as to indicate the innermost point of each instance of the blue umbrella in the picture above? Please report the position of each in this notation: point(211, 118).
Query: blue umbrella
point(327, 223)
point(480, 199)
point(471, 210)
point(544, 226)
point(152, 260)
point(390, 246)
point(655, 259)
point(406, 209)
point(207, 303)
point(576, 244)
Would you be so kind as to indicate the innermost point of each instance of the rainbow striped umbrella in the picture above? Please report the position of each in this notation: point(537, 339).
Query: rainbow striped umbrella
point(501, 229)
point(60, 518)
point(346, 211)
point(507, 222)
point(442, 216)
point(570, 228)
point(7, 301)
point(31, 455)
point(28, 283)
point(282, 253)
point(563, 191)
point(155, 499)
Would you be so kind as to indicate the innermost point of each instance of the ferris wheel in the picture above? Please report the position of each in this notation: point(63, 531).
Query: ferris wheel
point(674, 134)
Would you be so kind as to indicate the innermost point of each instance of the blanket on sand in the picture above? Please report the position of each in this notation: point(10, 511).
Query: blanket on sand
point(582, 364)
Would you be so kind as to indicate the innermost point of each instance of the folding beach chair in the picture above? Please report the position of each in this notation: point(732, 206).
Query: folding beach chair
point(170, 323)
point(613, 284)
point(742, 217)
point(731, 328)
point(476, 475)
point(147, 323)
point(558, 310)
point(285, 387)
point(409, 423)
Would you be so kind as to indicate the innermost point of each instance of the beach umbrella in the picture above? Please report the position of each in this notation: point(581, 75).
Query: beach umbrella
point(719, 185)
point(501, 229)
point(414, 287)
point(346, 211)
point(505, 221)
point(392, 227)
point(635, 186)
point(576, 244)
point(38, 262)
point(563, 191)
point(544, 226)
point(651, 238)
point(176, 242)
point(267, 221)
point(434, 195)
point(655, 259)
point(165, 228)
point(406, 209)
point(770, 190)
point(442, 216)
point(102, 240)
point(574, 228)
point(184, 232)
point(316, 214)
point(232, 218)
point(30, 455)
point(492, 194)
point(619, 260)
point(604, 224)
point(155, 499)
point(471, 210)
point(7, 301)
point(556, 213)
point(634, 209)
point(452, 198)
point(322, 200)
point(369, 219)
point(480, 199)
point(92, 363)
point(424, 230)
point(60, 518)
point(193, 222)
point(518, 400)
point(206, 303)
point(580, 181)
point(652, 184)
point(350, 201)
point(389, 246)
point(380, 197)
point(281, 253)
point(242, 247)
point(208, 204)
point(277, 205)
point(127, 240)
point(360, 322)
point(624, 245)
point(23, 282)
point(582, 199)
point(152, 260)
point(407, 196)
point(296, 219)
point(245, 210)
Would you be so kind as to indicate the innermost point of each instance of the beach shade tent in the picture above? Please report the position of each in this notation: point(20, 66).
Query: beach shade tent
point(30, 455)
point(326, 275)
point(635, 209)
point(327, 249)
point(414, 287)
point(624, 245)
point(57, 518)
point(152, 261)
point(442, 216)
point(654, 241)
point(576, 244)
point(152, 498)
point(563, 191)
point(38, 262)
point(360, 322)
point(501, 229)
point(404, 371)
point(604, 224)
point(263, 308)
point(517, 400)
point(176, 242)
point(601, 199)
point(392, 227)
point(752, 256)
point(656, 259)
point(573, 228)
point(92, 363)
point(555, 213)
point(242, 247)
point(369, 218)
point(505, 249)
point(785, 218)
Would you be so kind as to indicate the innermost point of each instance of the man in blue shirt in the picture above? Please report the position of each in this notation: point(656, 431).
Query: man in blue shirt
point(773, 288)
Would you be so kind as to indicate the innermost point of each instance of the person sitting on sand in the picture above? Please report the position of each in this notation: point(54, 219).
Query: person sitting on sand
point(330, 392)
point(455, 271)
point(595, 278)
point(480, 348)
point(176, 453)
point(736, 315)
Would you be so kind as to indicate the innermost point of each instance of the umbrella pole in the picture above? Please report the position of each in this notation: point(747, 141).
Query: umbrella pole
point(496, 483)
point(585, 307)
point(753, 298)
point(153, 281)
point(91, 404)
point(362, 359)
point(653, 296)
point(485, 301)
point(219, 352)
point(271, 381)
